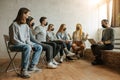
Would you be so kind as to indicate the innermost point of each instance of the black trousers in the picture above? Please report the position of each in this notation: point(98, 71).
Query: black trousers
point(49, 51)
point(62, 46)
point(96, 49)
point(56, 47)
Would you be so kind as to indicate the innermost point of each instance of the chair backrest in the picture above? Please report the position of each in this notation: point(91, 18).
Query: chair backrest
point(6, 39)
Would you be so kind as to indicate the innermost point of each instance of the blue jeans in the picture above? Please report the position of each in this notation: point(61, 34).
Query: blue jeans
point(26, 50)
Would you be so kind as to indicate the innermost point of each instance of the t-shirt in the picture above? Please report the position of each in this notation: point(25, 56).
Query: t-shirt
point(40, 33)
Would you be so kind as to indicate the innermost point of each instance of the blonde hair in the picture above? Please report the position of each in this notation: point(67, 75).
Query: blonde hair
point(80, 28)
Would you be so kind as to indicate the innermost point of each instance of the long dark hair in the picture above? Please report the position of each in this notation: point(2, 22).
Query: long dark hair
point(19, 19)
point(49, 26)
point(29, 19)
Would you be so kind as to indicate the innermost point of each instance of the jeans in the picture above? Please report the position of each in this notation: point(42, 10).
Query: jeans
point(26, 50)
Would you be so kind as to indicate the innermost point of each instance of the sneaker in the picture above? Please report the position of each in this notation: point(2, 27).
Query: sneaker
point(55, 62)
point(51, 65)
point(97, 62)
point(25, 74)
point(69, 58)
point(34, 69)
point(70, 54)
point(61, 59)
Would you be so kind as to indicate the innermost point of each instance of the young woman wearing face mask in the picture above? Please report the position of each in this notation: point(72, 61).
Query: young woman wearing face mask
point(51, 37)
point(79, 39)
point(20, 41)
point(64, 36)
point(106, 43)
point(46, 47)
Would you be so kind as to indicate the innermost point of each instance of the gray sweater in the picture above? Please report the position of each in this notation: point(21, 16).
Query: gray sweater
point(19, 34)
point(108, 35)
point(51, 36)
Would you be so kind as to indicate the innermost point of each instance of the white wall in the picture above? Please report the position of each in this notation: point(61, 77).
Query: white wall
point(69, 12)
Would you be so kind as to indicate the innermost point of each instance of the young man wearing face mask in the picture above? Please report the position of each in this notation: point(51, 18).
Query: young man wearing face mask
point(106, 43)
point(40, 33)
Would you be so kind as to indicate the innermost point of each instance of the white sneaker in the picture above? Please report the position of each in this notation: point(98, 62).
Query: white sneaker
point(25, 74)
point(70, 54)
point(55, 62)
point(61, 59)
point(34, 69)
point(51, 65)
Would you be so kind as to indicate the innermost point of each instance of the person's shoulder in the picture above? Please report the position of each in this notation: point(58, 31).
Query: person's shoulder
point(47, 32)
point(36, 27)
point(14, 24)
point(58, 33)
point(111, 29)
point(74, 31)
point(83, 33)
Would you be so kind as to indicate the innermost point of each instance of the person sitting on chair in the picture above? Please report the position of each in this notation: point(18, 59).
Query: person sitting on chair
point(20, 41)
point(64, 36)
point(41, 33)
point(107, 42)
point(79, 39)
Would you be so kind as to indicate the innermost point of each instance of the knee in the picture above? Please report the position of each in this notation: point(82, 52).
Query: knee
point(39, 47)
point(27, 47)
point(49, 47)
point(54, 44)
point(93, 46)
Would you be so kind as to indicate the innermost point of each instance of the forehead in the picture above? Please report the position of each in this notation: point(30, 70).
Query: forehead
point(28, 12)
point(45, 19)
point(32, 20)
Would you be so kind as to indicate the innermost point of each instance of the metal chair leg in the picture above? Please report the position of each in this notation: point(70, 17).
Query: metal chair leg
point(12, 62)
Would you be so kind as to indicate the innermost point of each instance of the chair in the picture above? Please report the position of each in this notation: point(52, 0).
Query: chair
point(43, 60)
point(6, 39)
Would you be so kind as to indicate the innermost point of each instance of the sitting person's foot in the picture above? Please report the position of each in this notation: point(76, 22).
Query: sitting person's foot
point(51, 65)
point(25, 74)
point(70, 54)
point(69, 58)
point(78, 56)
point(97, 62)
point(55, 62)
point(61, 59)
point(34, 69)
point(81, 54)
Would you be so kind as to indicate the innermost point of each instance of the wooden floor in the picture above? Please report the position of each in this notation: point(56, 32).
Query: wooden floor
point(74, 70)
